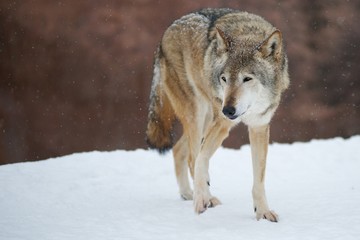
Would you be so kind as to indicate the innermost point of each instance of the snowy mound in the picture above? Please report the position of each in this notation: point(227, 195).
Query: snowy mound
point(314, 187)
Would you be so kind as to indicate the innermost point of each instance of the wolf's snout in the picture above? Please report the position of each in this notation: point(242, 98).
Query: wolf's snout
point(229, 111)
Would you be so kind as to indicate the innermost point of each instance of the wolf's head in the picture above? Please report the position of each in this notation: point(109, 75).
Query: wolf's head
point(253, 76)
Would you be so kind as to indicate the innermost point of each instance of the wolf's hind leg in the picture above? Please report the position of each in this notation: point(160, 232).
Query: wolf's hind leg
point(181, 154)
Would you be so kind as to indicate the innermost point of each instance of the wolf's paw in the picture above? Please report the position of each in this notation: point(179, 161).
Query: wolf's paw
point(214, 201)
point(268, 215)
point(203, 202)
point(188, 195)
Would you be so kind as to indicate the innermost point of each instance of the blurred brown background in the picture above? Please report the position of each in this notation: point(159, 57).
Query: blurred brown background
point(75, 75)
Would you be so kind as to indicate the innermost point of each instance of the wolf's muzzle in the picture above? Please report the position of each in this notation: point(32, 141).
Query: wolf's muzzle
point(229, 112)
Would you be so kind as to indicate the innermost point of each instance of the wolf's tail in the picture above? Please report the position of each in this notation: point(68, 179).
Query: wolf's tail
point(161, 115)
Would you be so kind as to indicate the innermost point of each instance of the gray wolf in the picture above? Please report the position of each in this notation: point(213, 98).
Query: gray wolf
point(214, 69)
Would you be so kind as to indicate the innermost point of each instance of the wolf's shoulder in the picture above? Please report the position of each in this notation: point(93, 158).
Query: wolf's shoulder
point(207, 16)
point(215, 13)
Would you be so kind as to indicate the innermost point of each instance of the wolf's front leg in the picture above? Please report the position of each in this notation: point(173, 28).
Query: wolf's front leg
point(213, 139)
point(202, 196)
point(259, 140)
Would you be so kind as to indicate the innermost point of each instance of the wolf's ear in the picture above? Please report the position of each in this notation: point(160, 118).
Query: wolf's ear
point(224, 41)
point(272, 46)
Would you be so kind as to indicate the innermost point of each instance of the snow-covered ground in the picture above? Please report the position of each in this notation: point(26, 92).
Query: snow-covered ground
point(314, 187)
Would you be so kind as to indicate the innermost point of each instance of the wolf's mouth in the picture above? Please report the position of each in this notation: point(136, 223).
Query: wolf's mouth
point(230, 112)
point(241, 114)
point(232, 117)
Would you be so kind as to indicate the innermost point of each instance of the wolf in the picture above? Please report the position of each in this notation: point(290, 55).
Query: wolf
point(213, 69)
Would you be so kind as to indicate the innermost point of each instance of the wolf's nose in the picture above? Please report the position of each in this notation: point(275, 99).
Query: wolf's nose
point(229, 111)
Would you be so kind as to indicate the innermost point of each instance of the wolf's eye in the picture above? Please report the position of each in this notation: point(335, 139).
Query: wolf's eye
point(223, 79)
point(246, 79)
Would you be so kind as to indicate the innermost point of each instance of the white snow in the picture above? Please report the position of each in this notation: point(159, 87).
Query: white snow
point(314, 187)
